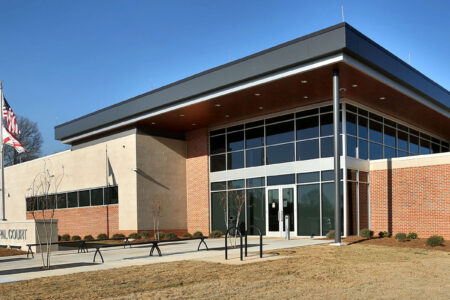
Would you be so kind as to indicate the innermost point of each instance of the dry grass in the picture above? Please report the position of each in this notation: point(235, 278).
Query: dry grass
point(392, 242)
point(11, 252)
point(358, 271)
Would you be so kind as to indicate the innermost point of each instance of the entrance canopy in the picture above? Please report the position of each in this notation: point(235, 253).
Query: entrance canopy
point(290, 75)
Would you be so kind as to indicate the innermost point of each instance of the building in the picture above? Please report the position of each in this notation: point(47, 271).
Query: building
point(253, 139)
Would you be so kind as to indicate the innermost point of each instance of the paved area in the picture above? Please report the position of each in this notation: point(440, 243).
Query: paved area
point(16, 268)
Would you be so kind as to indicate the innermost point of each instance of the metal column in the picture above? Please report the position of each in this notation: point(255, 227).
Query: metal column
point(337, 167)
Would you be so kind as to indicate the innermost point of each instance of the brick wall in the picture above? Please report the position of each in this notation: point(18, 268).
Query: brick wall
point(415, 199)
point(197, 173)
point(85, 220)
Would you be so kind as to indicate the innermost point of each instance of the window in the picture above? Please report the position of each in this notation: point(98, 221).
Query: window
point(254, 137)
point(72, 199)
point(327, 147)
point(218, 163)
point(84, 198)
point(376, 151)
point(326, 124)
point(308, 128)
point(308, 209)
point(351, 124)
point(351, 146)
point(254, 157)
point(235, 160)
point(111, 195)
point(280, 154)
point(308, 177)
point(308, 149)
point(217, 144)
point(97, 197)
point(280, 133)
point(376, 132)
point(235, 141)
point(61, 201)
point(255, 182)
point(281, 179)
point(389, 137)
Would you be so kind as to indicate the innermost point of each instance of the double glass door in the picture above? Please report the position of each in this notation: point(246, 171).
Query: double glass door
point(280, 203)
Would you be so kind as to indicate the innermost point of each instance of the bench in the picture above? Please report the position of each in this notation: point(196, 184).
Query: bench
point(81, 244)
point(153, 243)
point(15, 247)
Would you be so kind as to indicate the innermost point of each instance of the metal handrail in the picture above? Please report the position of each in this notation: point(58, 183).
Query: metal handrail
point(260, 240)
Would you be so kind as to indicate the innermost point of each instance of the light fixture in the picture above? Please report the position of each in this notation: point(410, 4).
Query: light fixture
point(153, 123)
point(218, 105)
point(383, 98)
point(260, 108)
point(181, 115)
point(257, 94)
point(354, 85)
point(193, 124)
point(227, 116)
point(305, 97)
point(342, 89)
point(304, 81)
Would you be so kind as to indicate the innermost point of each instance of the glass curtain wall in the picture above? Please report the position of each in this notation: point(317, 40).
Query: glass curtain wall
point(296, 136)
point(370, 136)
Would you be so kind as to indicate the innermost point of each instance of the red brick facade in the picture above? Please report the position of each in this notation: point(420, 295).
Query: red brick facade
point(85, 220)
point(413, 199)
point(197, 170)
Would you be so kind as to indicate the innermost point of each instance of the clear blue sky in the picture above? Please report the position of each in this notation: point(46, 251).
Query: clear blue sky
point(60, 59)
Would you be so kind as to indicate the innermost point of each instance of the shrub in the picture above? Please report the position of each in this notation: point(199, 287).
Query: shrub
point(102, 236)
point(162, 235)
point(215, 234)
point(65, 237)
point(187, 235)
point(118, 236)
point(76, 238)
point(171, 236)
point(145, 234)
point(135, 236)
point(197, 234)
point(384, 234)
point(59, 237)
point(400, 237)
point(412, 236)
point(367, 233)
point(330, 234)
point(88, 238)
point(435, 240)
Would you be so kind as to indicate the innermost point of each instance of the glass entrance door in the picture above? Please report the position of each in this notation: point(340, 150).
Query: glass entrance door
point(280, 203)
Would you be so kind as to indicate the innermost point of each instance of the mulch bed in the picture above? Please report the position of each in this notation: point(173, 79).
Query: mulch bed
point(391, 242)
point(11, 252)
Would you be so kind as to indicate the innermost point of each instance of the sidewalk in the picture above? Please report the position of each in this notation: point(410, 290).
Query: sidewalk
point(17, 268)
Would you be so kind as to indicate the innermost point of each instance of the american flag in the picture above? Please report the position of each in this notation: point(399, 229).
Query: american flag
point(10, 117)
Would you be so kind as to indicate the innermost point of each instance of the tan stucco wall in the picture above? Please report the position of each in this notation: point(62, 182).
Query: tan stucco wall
point(411, 161)
point(161, 164)
point(84, 168)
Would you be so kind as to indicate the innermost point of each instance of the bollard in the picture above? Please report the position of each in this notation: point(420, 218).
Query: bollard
point(286, 226)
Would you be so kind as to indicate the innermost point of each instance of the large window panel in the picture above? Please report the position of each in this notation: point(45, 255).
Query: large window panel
point(218, 211)
point(376, 151)
point(413, 144)
point(363, 152)
point(402, 141)
point(424, 146)
point(389, 152)
point(254, 137)
point(389, 137)
point(376, 132)
point(328, 207)
point(235, 141)
point(254, 157)
point(111, 195)
point(61, 201)
point(308, 128)
point(256, 214)
point(327, 147)
point(97, 197)
point(84, 198)
point(351, 124)
point(280, 154)
point(236, 207)
point(218, 163)
point(308, 149)
point(281, 179)
point(351, 146)
point(326, 124)
point(280, 133)
point(362, 127)
point(72, 199)
point(308, 209)
point(235, 160)
point(217, 144)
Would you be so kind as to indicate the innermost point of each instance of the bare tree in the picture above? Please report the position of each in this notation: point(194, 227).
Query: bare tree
point(31, 139)
point(156, 214)
point(238, 202)
point(42, 193)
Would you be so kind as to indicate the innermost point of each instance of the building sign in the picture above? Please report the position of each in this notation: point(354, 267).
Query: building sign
point(13, 234)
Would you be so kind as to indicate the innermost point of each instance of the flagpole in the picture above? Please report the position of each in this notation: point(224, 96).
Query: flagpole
point(2, 158)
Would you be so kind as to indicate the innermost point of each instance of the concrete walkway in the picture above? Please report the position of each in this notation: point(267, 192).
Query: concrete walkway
point(16, 268)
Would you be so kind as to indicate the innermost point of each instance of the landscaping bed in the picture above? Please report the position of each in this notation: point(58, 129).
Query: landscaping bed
point(392, 242)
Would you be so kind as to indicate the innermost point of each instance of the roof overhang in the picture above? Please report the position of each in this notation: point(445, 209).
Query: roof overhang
point(275, 74)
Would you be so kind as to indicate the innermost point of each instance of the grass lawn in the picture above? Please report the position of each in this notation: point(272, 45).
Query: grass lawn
point(11, 252)
point(358, 271)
